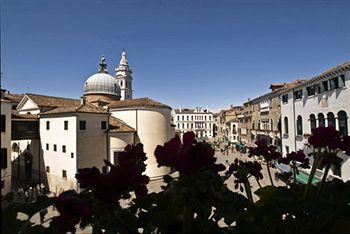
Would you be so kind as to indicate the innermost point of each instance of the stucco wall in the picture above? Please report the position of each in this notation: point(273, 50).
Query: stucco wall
point(329, 101)
point(118, 141)
point(6, 143)
point(57, 160)
point(153, 128)
point(92, 142)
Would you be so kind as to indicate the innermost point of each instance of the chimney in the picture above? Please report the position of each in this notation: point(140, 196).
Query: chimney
point(180, 108)
point(82, 100)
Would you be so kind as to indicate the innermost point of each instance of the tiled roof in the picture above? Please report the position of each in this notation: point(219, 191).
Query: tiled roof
point(117, 125)
point(16, 115)
point(13, 97)
point(51, 101)
point(87, 108)
point(146, 102)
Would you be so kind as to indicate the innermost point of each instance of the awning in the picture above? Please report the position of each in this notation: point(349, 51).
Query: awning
point(302, 177)
point(282, 167)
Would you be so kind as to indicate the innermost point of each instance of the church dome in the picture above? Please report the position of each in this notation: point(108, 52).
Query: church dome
point(102, 82)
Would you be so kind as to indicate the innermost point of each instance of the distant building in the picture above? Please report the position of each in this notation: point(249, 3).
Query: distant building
point(244, 117)
point(266, 114)
point(321, 101)
point(198, 120)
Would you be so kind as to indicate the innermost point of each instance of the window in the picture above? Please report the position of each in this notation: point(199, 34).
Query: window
point(320, 88)
point(341, 81)
point(312, 122)
point(321, 120)
point(331, 119)
point(298, 94)
point(286, 125)
point(47, 169)
point(285, 98)
point(287, 149)
point(325, 85)
point(2, 184)
point(310, 90)
point(82, 125)
point(299, 125)
point(103, 124)
point(187, 117)
point(3, 158)
point(334, 83)
point(343, 122)
point(47, 146)
point(63, 148)
point(178, 117)
point(47, 125)
point(253, 125)
point(72, 155)
point(64, 174)
point(54, 147)
point(3, 123)
point(66, 125)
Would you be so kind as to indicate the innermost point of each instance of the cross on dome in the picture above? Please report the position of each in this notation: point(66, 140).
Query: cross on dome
point(103, 65)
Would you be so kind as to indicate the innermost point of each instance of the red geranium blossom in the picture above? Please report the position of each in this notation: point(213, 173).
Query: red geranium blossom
point(188, 157)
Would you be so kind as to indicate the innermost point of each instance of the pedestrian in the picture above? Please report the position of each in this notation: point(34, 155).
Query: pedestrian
point(43, 189)
point(42, 214)
point(26, 196)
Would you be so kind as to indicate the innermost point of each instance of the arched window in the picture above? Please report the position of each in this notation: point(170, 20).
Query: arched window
point(183, 118)
point(299, 125)
point(253, 125)
point(205, 117)
point(121, 83)
point(343, 122)
point(312, 121)
point(187, 118)
point(330, 119)
point(286, 125)
point(321, 120)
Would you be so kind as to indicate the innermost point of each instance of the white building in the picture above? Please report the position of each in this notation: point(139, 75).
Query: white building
point(233, 130)
point(5, 146)
point(321, 101)
point(56, 136)
point(198, 120)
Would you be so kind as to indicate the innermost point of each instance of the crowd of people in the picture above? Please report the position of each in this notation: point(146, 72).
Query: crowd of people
point(30, 193)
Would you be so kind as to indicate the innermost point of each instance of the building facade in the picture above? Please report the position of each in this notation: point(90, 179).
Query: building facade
point(320, 101)
point(198, 120)
point(5, 145)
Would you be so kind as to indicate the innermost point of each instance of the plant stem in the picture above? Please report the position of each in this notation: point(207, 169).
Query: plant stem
point(312, 173)
point(324, 177)
point(258, 182)
point(269, 172)
point(248, 191)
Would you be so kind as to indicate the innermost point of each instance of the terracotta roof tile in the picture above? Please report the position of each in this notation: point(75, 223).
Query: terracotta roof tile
point(87, 108)
point(117, 125)
point(147, 102)
point(13, 97)
point(51, 101)
point(16, 115)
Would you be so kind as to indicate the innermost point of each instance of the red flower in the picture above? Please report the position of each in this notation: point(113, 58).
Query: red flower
point(189, 157)
point(72, 209)
point(294, 157)
point(325, 137)
point(122, 178)
point(268, 152)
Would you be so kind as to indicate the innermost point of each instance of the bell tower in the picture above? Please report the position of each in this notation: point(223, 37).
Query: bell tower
point(123, 75)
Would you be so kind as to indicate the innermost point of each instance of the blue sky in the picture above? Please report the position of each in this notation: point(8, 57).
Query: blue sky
point(190, 53)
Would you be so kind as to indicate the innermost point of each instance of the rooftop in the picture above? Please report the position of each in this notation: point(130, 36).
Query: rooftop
point(51, 101)
point(87, 108)
point(117, 125)
point(144, 102)
point(16, 115)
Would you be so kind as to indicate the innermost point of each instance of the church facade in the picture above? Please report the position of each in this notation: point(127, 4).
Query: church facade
point(72, 134)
